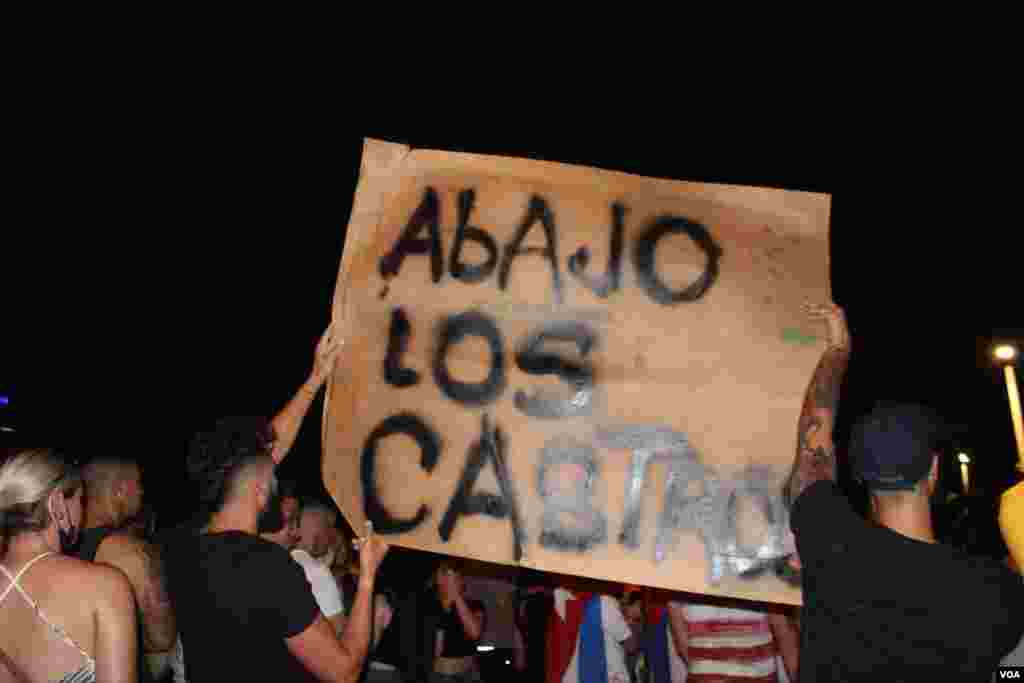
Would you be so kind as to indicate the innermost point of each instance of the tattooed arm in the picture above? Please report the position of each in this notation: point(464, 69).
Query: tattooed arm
point(815, 452)
point(141, 562)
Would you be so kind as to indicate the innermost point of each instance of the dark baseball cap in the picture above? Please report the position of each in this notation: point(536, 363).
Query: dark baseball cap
point(891, 448)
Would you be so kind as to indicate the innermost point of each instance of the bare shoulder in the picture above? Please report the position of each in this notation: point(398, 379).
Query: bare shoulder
point(128, 552)
point(122, 542)
point(113, 588)
point(104, 582)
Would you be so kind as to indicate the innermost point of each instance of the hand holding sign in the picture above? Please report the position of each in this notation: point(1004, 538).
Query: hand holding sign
point(833, 316)
point(327, 350)
point(371, 553)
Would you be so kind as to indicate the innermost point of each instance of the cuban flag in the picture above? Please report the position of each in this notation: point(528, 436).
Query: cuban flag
point(599, 655)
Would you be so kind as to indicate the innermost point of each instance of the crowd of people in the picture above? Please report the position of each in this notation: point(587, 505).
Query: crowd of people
point(264, 584)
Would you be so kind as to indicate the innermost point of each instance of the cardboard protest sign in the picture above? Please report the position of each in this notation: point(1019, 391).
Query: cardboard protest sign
point(574, 370)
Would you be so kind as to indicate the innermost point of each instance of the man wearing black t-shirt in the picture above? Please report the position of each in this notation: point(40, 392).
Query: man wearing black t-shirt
point(245, 609)
point(883, 601)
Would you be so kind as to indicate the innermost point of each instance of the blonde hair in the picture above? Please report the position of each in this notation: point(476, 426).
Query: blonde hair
point(26, 481)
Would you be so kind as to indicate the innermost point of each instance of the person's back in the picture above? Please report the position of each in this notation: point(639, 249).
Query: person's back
point(54, 637)
point(114, 496)
point(885, 602)
point(121, 546)
point(881, 606)
point(238, 597)
point(63, 619)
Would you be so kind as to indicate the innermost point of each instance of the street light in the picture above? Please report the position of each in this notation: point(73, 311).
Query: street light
point(965, 460)
point(1005, 354)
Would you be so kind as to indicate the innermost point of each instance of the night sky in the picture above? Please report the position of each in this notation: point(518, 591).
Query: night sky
point(181, 265)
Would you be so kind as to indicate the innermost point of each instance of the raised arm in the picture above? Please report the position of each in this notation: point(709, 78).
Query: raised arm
point(382, 614)
point(815, 452)
point(472, 623)
point(471, 620)
point(286, 423)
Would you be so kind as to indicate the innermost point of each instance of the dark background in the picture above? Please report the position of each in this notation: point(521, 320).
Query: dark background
point(174, 251)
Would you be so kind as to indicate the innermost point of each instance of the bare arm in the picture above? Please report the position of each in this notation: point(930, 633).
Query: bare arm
point(286, 423)
point(787, 638)
point(677, 629)
point(381, 621)
point(518, 650)
point(471, 622)
point(381, 618)
point(321, 651)
point(815, 454)
point(116, 638)
point(141, 563)
point(326, 656)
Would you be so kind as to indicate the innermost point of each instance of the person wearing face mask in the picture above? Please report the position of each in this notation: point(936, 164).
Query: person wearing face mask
point(64, 619)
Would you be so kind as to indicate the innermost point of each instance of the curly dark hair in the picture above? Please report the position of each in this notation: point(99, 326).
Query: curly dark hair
point(215, 457)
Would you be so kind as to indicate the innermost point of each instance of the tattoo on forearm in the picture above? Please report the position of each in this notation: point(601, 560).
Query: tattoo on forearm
point(159, 626)
point(815, 457)
point(155, 576)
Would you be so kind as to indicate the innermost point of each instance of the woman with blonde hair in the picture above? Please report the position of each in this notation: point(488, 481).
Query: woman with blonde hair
point(64, 620)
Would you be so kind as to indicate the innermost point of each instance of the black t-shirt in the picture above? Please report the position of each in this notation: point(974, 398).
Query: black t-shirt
point(237, 598)
point(879, 606)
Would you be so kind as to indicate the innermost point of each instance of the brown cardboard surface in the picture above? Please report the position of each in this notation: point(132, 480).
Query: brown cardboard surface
point(716, 381)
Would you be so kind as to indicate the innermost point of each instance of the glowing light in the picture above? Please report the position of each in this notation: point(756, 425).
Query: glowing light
point(484, 648)
point(963, 458)
point(1005, 352)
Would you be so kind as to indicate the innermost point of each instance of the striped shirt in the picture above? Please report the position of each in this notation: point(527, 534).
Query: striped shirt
point(728, 644)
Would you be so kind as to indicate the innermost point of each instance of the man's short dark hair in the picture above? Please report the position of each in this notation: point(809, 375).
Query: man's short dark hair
point(102, 472)
point(217, 456)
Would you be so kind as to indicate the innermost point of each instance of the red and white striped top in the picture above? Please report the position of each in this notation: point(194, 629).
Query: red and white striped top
point(728, 644)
